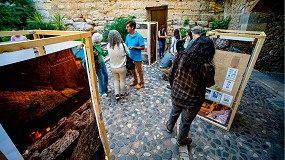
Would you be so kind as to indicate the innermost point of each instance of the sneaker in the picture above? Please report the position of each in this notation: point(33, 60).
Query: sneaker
point(188, 141)
point(118, 97)
point(133, 83)
point(124, 94)
point(108, 91)
point(141, 85)
point(168, 86)
point(168, 130)
point(104, 95)
point(164, 77)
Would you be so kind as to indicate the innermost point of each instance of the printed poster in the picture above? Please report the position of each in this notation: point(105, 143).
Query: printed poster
point(208, 93)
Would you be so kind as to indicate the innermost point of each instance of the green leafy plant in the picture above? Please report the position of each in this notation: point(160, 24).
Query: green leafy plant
point(186, 22)
point(119, 24)
point(14, 13)
point(57, 21)
point(221, 24)
point(183, 33)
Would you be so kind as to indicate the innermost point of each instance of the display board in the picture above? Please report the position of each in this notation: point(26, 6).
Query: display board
point(236, 54)
point(149, 32)
point(51, 103)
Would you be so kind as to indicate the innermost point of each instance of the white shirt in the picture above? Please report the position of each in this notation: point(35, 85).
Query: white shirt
point(117, 55)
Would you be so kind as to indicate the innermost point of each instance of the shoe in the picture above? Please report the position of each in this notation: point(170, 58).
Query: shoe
point(104, 95)
point(133, 83)
point(188, 141)
point(118, 97)
point(108, 91)
point(168, 86)
point(168, 130)
point(124, 94)
point(141, 85)
point(164, 77)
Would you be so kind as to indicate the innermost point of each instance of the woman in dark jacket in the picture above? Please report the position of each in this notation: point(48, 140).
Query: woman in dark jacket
point(192, 72)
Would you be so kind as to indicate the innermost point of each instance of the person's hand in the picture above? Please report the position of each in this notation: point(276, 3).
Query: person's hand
point(175, 53)
point(132, 47)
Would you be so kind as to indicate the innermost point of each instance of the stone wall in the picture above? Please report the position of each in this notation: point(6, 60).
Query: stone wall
point(271, 57)
point(81, 14)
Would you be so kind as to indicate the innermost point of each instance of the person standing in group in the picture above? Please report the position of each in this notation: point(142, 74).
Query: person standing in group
point(161, 41)
point(195, 34)
point(135, 43)
point(188, 38)
point(176, 37)
point(118, 51)
point(101, 70)
point(17, 37)
point(192, 72)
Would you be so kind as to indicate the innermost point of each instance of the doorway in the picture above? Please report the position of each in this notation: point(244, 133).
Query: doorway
point(158, 14)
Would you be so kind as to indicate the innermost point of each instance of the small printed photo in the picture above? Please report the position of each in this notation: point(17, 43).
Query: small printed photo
point(215, 96)
point(208, 93)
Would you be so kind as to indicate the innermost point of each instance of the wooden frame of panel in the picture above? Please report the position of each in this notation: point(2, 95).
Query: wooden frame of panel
point(62, 36)
point(260, 37)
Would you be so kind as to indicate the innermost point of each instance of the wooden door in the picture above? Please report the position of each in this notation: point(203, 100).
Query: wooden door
point(158, 14)
point(153, 43)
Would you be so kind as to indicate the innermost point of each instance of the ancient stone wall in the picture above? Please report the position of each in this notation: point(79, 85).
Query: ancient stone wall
point(81, 14)
point(271, 57)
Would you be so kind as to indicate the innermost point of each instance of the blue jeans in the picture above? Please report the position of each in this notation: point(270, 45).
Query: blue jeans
point(161, 48)
point(102, 75)
point(187, 116)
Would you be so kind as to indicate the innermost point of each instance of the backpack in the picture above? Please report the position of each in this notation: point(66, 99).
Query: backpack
point(96, 58)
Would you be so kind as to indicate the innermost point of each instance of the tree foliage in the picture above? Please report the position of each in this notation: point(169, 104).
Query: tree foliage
point(119, 24)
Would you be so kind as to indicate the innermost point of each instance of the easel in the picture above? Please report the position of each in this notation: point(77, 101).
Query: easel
point(247, 63)
point(62, 36)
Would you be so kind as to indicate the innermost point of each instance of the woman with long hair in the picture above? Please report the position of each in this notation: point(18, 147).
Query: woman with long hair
point(117, 51)
point(176, 37)
point(192, 72)
point(161, 41)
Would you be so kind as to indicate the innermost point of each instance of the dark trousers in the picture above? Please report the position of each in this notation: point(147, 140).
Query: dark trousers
point(187, 116)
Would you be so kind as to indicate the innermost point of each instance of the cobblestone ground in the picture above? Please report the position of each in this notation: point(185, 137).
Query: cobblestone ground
point(136, 125)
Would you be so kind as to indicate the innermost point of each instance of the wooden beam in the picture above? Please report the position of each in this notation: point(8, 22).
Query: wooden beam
point(95, 96)
point(212, 122)
point(12, 33)
point(248, 72)
point(239, 35)
point(157, 8)
point(40, 48)
point(15, 46)
point(238, 31)
point(56, 32)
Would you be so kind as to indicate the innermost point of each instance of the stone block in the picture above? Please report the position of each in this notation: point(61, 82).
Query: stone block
point(82, 26)
point(89, 21)
point(203, 23)
point(67, 21)
point(77, 19)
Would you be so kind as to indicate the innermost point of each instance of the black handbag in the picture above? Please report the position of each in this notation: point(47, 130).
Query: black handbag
point(130, 62)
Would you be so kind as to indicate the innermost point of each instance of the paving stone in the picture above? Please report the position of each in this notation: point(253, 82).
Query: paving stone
point(147, 154)
point(140, 118)
point(157, 157)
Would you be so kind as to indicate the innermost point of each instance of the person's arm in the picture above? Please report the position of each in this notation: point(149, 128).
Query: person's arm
point(159, 36)
point(141, 44)
point(101, 51)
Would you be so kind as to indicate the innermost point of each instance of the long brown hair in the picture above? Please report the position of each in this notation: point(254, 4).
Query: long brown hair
point(176, 34)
